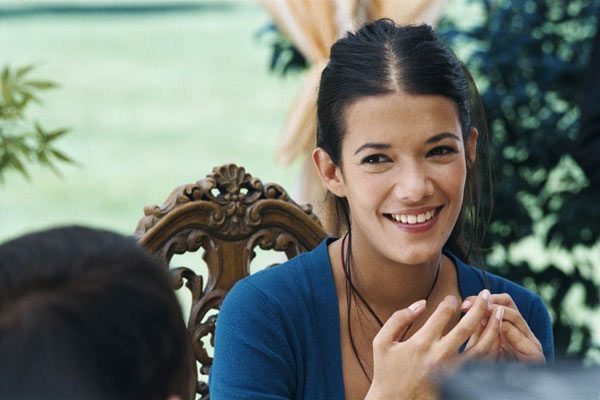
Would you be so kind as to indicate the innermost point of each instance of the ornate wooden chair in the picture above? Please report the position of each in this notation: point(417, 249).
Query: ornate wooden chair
point(227, 214)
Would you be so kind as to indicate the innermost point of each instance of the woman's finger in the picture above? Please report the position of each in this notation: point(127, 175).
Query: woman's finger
point(467, 303)
point(487, 346)
point(437, 322)
point(503, 299)
point(489, 341)
point(475, 336)
point(507, 350)
point(467, 325)
point(515, 318)
point(393, 327)
point(522, 347)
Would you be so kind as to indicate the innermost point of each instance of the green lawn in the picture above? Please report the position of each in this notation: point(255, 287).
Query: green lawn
point(154, 100)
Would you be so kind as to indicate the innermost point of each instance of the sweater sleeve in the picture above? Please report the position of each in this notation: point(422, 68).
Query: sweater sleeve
point(251, 359)
point(541, 326)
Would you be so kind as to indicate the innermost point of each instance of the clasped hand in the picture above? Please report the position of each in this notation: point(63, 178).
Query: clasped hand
point(402, 369)
point(517, 342)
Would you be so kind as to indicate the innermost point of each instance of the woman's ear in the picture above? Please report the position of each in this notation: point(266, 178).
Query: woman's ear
point(330, 174)
point(471, 147)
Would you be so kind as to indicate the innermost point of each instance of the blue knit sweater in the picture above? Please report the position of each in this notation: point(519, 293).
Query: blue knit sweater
point(278, 333)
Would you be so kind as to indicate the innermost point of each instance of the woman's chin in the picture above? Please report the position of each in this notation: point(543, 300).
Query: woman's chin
point(415, 256)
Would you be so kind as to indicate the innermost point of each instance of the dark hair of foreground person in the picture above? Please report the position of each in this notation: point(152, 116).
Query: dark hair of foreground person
point(88, 314)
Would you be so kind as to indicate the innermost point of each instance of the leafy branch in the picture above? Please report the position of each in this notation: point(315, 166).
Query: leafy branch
point(22, 141)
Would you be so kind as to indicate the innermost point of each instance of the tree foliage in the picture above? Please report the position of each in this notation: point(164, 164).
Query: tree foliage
point(529, 58)
point(23, 141)
point(285, 58)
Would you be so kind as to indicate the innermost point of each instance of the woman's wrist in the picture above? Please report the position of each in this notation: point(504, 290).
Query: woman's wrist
point(428, 393)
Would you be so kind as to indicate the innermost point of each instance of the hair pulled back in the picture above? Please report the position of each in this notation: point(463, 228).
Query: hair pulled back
point(383, 58)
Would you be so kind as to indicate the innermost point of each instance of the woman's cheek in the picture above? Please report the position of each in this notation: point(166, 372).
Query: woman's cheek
point(452, 174)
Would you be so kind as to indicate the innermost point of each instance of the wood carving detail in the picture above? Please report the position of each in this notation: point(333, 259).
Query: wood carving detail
point(275, 239)
point(228, 215)
point(232, 192)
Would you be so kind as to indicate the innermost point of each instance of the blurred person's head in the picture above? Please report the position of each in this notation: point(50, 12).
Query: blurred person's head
point(88, 314)
point(519, 381)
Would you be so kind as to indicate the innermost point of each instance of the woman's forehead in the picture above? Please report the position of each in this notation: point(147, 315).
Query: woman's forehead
point(400, 117)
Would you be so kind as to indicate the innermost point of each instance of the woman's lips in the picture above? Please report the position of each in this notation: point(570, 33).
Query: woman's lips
point(417, 226)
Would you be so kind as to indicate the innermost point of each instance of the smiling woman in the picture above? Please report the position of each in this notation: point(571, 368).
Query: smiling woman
point(376, 312)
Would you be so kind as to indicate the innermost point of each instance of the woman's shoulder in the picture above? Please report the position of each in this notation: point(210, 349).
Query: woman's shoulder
point(286, 284)
point(277, 321)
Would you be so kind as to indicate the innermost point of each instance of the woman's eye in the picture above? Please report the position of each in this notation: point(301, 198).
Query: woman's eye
point(375, 159)
point(441, 151)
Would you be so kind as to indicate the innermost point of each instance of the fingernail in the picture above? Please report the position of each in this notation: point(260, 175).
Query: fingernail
point(452, 301)
point(414, 307)
point(485, 294)
point(484, 321)
point(466, 304)
point(500, 313)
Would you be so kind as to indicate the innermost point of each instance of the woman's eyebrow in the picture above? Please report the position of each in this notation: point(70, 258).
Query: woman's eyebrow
point(440, 136)
point(376, 146)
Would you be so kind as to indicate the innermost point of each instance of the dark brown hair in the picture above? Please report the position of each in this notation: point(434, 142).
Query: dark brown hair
point(86, 313)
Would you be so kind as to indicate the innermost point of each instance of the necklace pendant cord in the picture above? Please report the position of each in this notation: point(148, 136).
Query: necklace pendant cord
point(437, 274)
point(346, 264)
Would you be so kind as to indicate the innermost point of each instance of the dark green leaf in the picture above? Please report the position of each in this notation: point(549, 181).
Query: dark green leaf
point(40, 85)
point(43, 158)
point(50, 136)
point(21, 72)
point(16, 164)
point(61, 156)
point(6, 86)
point(39, 130)
point(30, 97)
point(28, 142)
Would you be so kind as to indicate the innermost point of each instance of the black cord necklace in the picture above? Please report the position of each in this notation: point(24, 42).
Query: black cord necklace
point(346, 264)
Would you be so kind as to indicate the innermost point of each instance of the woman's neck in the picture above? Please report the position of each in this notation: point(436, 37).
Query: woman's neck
point(384, 284)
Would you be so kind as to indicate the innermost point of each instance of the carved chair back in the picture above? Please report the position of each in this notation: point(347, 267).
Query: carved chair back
point(227, 214)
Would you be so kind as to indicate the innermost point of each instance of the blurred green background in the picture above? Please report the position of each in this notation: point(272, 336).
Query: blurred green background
point(153, 100)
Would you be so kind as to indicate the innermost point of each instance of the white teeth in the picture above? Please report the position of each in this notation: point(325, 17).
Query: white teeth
point(413, 219)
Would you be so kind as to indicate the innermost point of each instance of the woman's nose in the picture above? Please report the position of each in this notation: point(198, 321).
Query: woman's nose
point(413, 183)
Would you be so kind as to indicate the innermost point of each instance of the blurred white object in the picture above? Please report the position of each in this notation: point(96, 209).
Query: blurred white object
point(517, 381)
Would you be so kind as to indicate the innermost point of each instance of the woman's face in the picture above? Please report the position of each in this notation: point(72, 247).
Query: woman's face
point(403, 173)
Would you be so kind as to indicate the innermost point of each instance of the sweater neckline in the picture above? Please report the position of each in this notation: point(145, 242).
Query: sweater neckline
point(327, 305)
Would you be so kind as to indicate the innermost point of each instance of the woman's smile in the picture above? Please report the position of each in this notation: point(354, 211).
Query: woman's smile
point(415, 221)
